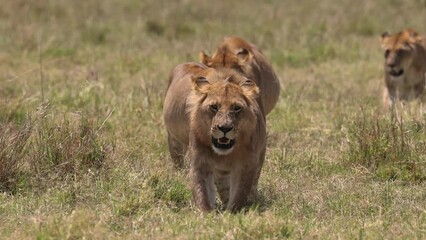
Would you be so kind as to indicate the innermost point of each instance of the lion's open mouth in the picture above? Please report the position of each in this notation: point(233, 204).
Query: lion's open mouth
point(223, 143)
point(394, 73)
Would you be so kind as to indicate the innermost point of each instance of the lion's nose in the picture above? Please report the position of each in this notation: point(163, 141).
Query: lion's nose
point(391, 65)
point(225, 129)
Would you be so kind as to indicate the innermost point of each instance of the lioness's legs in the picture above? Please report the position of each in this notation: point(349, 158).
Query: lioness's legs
point(203, 189)
point(420, 88)
point(390, 92)
point(222, 179)
point(177, 150)
point(254, 194)
point(241, 184)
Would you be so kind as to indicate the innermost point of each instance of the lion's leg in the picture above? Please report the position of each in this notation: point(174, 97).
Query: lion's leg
point(254, 194)
point(407, 94)
point(241, 184)
point(386, 97)
point(389, 96)
point(203, 189)
point(222, 180)
point(420, 88)
point(177, 151)
point(390, 92)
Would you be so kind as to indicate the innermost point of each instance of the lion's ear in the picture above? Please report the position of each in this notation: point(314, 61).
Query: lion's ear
point(412, 33)
point(243, 55)
point(250, 88)
point(199, 84)
point(384, 36)
point(415, 37)
point(204, 58)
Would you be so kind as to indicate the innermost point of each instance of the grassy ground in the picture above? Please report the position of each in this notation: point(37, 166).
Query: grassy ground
point(82, 144)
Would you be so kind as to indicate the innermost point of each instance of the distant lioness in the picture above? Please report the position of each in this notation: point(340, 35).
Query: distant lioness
point(215, 114)
point(405, 66)
point(238, 54)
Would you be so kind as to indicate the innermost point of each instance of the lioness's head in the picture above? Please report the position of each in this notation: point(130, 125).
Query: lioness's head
point(223, 109)
point(233, 52)
point(399, 51)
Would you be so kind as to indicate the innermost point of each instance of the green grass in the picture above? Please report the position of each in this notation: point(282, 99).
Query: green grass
point(83, 150)
point(390, 148)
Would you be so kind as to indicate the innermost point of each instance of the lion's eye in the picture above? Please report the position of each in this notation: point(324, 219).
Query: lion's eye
point(236, 109)
point(387, 52)
point(214, 108)
point(400, 52)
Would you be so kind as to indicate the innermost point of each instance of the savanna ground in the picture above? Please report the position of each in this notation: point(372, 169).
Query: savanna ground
point(83, 149)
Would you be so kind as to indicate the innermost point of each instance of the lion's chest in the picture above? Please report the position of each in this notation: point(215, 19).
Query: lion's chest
point(223, 163)
point(232, 161)
point(397, 82)
point(408, 80)
point(409, 85)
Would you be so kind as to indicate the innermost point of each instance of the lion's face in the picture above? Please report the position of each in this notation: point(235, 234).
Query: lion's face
point(222, 108)
point(399, 51)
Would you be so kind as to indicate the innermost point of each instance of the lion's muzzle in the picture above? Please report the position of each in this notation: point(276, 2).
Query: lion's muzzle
point(223, 143)
point(396, 73)
point(393, 70)
point(394, 65)
point(223, 139)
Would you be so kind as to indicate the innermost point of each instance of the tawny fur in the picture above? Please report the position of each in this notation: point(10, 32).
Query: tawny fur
point(240, 55)
point(192, 124)
point(174, 110)
point(405, 66)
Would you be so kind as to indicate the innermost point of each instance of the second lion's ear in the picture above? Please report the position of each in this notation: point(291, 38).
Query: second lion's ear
point(199, 84)
point(204, 58)
point(243, 55)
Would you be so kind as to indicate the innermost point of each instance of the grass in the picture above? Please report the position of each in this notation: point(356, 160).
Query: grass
point(83, 149)
point(389, 148)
